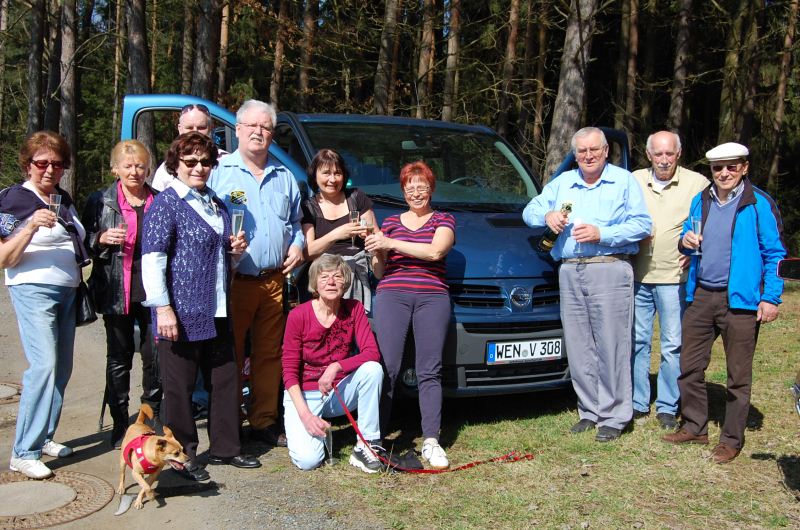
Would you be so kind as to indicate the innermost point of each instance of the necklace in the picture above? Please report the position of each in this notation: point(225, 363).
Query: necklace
point(135, 202)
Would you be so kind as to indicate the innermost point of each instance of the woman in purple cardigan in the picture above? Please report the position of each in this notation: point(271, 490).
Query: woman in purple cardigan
point(186, 257)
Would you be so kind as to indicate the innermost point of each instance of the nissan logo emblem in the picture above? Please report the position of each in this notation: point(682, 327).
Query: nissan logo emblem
point(520, 297)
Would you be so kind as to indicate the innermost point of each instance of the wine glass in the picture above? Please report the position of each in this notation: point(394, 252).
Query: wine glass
point(237, 220)
point(367, 225)
point(54, 205)
point(329, 448)
point(122, 226)
point(697, 228)
point(354, 216)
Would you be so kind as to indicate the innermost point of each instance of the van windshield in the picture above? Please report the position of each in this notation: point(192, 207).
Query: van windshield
point(474, 170)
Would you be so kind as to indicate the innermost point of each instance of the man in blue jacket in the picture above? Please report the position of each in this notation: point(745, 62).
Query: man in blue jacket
point(733, 287)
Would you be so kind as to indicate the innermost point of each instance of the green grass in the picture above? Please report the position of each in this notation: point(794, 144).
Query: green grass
point(574, 482)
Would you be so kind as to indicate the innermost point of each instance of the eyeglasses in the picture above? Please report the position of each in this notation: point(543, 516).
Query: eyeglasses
point(42, 164)
point(419, 190)
point(191, 162)
point(199, 106)
point(583, 151)
point(337, 277)
point(263, 126)
point(732, 168)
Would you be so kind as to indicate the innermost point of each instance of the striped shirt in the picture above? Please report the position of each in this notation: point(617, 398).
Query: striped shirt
point(404, 273)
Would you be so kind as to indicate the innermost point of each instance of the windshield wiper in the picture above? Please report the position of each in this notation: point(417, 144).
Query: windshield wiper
point(388, 199)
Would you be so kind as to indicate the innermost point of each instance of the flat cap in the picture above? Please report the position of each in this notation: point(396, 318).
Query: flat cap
point(727, 151)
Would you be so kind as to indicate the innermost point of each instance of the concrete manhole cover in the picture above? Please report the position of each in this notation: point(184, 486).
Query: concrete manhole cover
point(27, 503)
point(9, 392)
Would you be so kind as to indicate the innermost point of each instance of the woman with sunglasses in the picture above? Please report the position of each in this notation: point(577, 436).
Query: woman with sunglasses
point(116, 280)
point(186, 257)
point(409, 257)
point(42, 252)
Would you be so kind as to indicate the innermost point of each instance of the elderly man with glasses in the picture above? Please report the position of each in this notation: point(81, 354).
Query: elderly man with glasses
point(595, 243)
point(733, 287)
point(249, 179)
point(193, 118)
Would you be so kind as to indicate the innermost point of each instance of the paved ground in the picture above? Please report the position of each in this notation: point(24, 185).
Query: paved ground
point(274, 496)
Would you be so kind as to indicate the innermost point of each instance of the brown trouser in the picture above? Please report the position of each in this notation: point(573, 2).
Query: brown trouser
point(257, 307)
point(704, 320)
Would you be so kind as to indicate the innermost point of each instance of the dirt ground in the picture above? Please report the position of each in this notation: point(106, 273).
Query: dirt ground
point(274, 496)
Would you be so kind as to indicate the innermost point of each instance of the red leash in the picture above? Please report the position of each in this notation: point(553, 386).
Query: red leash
point(513, 456)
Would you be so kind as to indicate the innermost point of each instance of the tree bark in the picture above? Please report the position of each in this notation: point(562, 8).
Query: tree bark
point(138, 67)
point(306, 66)
point(451, 66)
point(223, 49)
point(86, 20)
point(570, 99)
point(35, 66)
point(383, 71)
point(3, 28)
point(780, 96)
point(53, 52)
point(153, 43)
point(395, 63)
point(630, 89)
point(280, 43)
point(680, 69)
point(119, 34)
point(206, 48)
point(69, 128)
point(622, 64)
point(508, 69)
point(425, 53)
point(731, 86)
point(538, 122)
point(187, 51)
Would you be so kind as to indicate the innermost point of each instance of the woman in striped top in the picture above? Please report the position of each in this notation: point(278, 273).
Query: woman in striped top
point(409, 257)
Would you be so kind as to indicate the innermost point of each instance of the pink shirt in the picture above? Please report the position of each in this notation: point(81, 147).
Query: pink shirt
point(309, 348)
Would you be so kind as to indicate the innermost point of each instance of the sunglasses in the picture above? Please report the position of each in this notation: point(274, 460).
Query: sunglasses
point(199, 106)
point(731, 168)
point(42, 164)
point(191, 162)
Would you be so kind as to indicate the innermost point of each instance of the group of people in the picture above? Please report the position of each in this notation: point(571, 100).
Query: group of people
point(204, 298)
point(168, 262)
point(701, 254)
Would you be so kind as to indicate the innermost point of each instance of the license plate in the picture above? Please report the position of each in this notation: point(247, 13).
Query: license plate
point(523, 351)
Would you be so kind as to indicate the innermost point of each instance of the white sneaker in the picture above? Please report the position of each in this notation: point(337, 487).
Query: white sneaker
point(30, 468)
point(434, 454)
point(55, 449)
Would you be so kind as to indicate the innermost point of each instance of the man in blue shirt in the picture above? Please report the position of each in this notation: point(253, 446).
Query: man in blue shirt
point(250, 180)
point(595, 242)
point(733, 287)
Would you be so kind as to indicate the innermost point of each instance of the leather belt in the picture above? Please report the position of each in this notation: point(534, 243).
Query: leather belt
point(599, 259)
point(263, 274)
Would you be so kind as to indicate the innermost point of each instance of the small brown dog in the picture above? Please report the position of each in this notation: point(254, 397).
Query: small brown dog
point(146, 454)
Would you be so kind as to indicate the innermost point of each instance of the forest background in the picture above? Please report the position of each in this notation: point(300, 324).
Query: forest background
point(535, 70)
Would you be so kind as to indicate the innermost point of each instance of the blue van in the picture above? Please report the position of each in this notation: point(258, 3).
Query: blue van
point(506, 335)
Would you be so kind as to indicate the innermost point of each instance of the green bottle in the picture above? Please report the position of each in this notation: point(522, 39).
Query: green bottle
point(549, 237)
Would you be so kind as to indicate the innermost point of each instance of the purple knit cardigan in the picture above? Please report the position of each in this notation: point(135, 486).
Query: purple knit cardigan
point(173, 227)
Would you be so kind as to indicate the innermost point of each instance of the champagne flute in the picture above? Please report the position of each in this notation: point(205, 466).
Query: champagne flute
point(577, 222)
point(237, 220)
point(367, 225)
point(697, 228)
point(54, 205)
point(329, 448)
point(652, 248)
point(354, 216)
point(122, 226)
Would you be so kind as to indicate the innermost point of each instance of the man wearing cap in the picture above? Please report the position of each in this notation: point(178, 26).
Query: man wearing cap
point(250, 179)
point(595, 277)
point(732, 288)
point(660, 275)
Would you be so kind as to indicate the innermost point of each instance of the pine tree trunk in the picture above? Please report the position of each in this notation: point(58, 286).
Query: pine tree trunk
point(280, 43)
point(395, 64)
point(69, 129)
point(570, 99)
point(53, 52)
point(119, 34)
point(187, 49)
point(309, 30)
point(35, 66)
point(630, 89)
point(86, 20)
point(153, 43)
point(425, 52)
point(206, 48)
point(538, 122)
point(508, 69)
point(780, 96)
point(223, 49)
point(731, 85)
point(383, 71)
point(680, 69)
point(3, 28)
point(138, 67)
point(622, 65)
point(451, 66)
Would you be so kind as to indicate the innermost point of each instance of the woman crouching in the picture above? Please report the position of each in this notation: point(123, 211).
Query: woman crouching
point(318, 355)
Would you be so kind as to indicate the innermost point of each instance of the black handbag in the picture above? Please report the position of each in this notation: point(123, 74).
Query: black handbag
point(84, 305)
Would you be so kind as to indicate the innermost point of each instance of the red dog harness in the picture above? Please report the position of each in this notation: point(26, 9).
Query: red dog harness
point(134, 448)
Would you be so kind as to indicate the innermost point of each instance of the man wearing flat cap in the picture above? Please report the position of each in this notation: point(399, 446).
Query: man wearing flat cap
point(732, 288)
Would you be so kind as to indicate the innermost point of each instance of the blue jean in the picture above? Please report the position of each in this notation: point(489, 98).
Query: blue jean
point(668, 300)
point(360, 391)
point(46, 318)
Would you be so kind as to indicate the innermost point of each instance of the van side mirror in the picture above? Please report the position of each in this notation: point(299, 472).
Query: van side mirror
point(789, 268)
